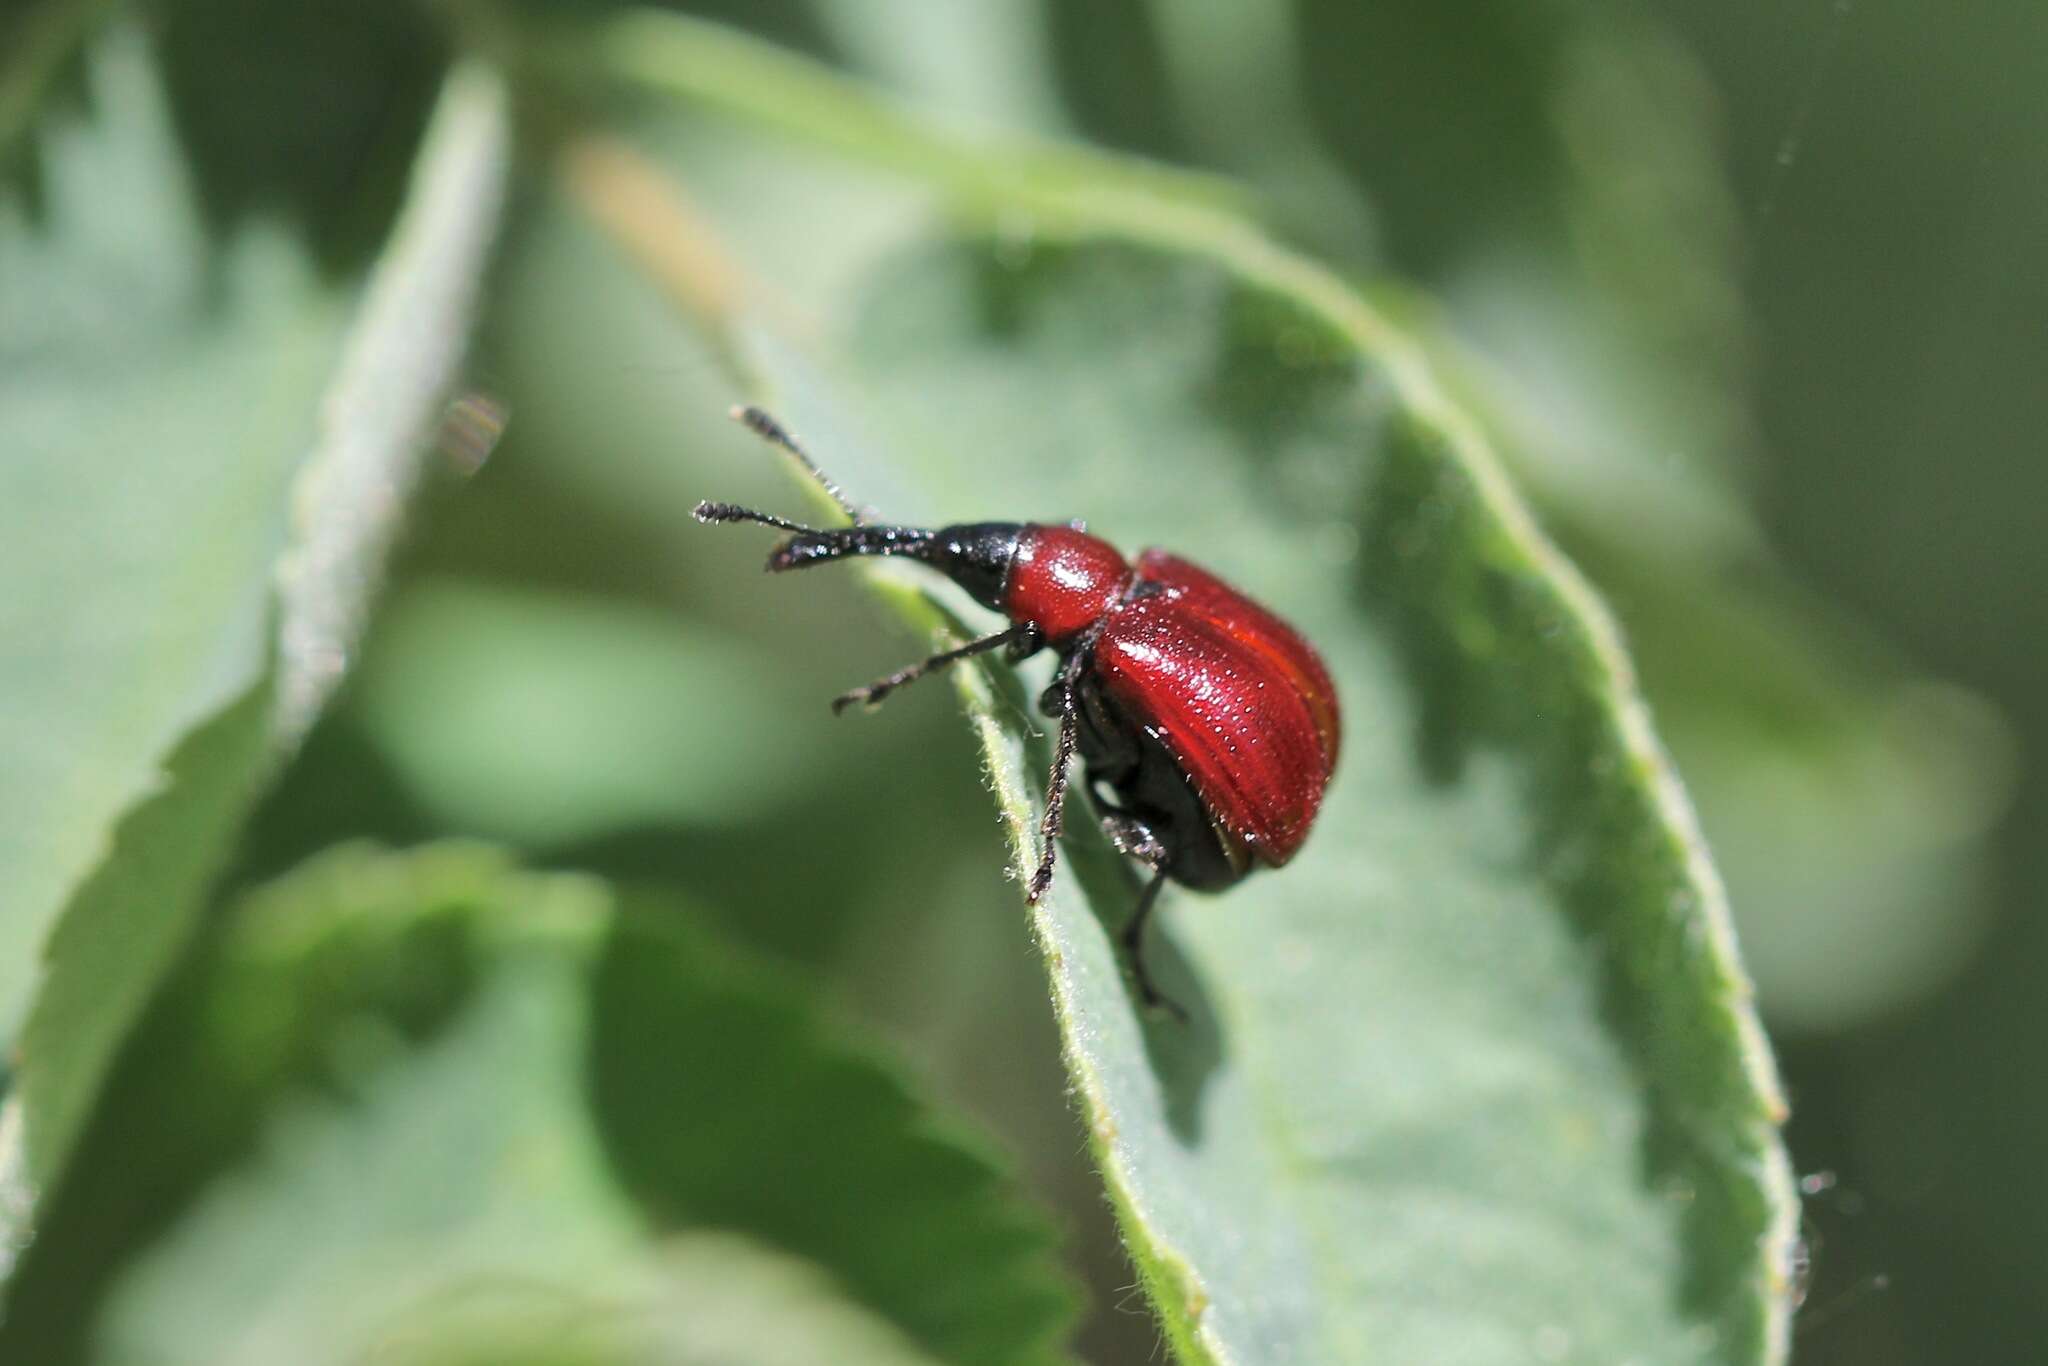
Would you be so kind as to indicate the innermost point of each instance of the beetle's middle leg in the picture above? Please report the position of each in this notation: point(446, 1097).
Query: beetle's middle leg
point(1133, 838)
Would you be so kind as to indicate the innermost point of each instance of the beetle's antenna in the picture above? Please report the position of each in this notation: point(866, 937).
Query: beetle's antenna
point(732, 512)
point(809, 545)
point(768, 429)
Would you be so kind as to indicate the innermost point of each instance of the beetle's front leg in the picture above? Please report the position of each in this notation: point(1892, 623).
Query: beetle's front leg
point(872, 693)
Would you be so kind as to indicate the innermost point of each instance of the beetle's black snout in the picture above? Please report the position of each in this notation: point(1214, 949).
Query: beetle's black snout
point(821, 547)
point(977, 556)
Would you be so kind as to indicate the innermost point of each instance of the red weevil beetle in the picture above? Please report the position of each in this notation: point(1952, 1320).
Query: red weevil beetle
point(1208, 726)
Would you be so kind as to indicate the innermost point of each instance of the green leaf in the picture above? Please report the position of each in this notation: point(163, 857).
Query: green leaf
point(732, 72)
point(626, 718)
point(1593, 277)
point(39, 41)
point(992, 64)
point(1847, 801)
point(1230, 75)
point(158, 396)
point(109, 956)
point(163, 395)
point(1588, 256)
point(425, 1105)
point(1476, 1078)
point(1484, 1044)
point(699, 1299)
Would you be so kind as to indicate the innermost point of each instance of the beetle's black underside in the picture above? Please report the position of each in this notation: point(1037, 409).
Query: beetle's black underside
point(1151, 794)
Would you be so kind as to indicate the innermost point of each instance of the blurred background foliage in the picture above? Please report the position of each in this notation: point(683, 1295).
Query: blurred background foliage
point(1759, 291)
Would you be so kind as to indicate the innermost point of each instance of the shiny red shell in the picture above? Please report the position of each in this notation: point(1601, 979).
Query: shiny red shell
point(1242, 703)
point(1064, 580)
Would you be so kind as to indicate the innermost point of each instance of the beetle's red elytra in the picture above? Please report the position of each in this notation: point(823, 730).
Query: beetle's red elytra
point(1208, 727)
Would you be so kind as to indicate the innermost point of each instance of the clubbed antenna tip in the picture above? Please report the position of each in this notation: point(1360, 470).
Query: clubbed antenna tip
point(758, 422)
point(769, 430)
point(709, 512)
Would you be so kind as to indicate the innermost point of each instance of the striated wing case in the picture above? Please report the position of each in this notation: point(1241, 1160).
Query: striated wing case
point(1238, 698)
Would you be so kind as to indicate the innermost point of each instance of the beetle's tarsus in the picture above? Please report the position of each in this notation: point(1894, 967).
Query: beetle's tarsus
point(1155, 999)
point(870, 696)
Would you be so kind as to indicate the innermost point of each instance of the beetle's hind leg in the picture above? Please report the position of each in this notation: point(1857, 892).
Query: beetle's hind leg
point(1134, 839)
point(1134, 944)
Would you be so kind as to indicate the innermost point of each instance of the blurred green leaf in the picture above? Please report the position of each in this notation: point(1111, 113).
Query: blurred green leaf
point(697, 1299)
point(162, 393)
point(141, 512)
point(1847, 798)
point(1555, 175)
point(424, 1105)
point(991, 63)
point(1847, 801)
point(1231, 74)
point(731, 71)
point(38, 43)
point(550, 719)
point(1477, 1077)
point(1484, 1044)
point(320, 120)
